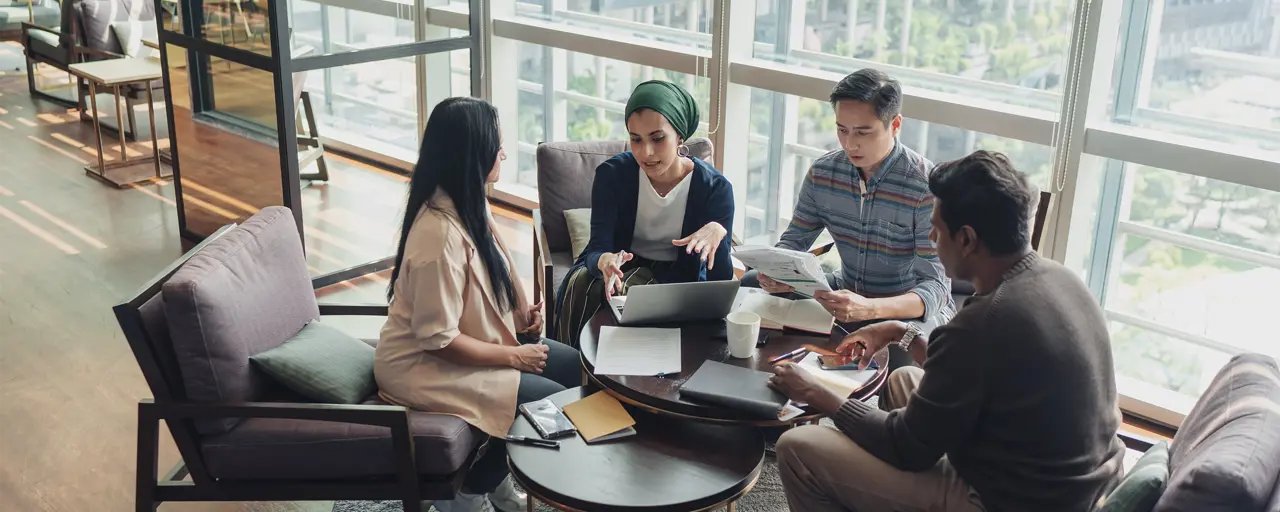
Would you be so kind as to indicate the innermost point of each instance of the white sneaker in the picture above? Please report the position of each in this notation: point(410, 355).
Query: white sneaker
point(466, 503)
point(507, 499)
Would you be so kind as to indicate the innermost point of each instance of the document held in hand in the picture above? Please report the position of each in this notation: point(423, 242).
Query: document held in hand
point(799, 269)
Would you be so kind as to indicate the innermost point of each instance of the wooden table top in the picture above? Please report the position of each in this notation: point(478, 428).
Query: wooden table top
point(119, 71)
point(669, 464)
point(698, 344)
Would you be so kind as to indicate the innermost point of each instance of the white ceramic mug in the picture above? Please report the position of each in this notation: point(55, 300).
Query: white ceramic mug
point(742, 328)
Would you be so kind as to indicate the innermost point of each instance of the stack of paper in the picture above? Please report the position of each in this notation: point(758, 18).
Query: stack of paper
point(600, 417)
point(638, 351)
point(778, 313)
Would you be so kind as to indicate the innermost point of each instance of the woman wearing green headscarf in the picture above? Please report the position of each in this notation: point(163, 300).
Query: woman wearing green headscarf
point(657, 213)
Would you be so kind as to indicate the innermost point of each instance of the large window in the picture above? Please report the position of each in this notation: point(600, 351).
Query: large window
point(1210, 70)
point(943, 46)
point(588, 95)
point(1154, 123)
point(1191, 257)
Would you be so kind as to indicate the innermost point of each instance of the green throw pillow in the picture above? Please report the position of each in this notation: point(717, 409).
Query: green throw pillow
point(323, 364)
point(1141, 488)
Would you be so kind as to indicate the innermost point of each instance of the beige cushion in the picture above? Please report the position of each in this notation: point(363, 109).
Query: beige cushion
point(579, 222)
point(130, 33)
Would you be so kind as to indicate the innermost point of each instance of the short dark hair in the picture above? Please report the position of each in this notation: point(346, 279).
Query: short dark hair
point(873, 87)
point(984, 191)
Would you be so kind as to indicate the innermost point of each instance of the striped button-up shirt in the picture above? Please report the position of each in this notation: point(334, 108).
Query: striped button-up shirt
point(881, 227)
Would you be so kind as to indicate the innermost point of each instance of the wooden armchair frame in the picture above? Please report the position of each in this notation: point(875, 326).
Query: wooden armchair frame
point(190, 480)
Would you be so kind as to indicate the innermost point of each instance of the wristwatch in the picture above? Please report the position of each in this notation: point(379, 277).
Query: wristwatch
point(912, 331)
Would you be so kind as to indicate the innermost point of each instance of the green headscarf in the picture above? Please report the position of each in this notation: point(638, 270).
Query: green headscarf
point(668, 99)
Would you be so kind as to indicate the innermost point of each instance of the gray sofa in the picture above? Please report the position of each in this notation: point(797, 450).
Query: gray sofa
point(1226, 455)
point(566, 171)
point(244, 437)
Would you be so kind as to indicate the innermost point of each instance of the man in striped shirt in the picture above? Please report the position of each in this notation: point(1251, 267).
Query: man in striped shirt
point(873, 196)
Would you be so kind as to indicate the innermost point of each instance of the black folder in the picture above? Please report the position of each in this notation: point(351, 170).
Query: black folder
point(734, 387)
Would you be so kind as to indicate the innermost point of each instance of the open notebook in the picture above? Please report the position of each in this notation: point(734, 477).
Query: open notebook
point(778, 313)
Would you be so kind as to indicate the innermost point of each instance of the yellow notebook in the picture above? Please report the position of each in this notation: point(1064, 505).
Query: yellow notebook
point(599, 416)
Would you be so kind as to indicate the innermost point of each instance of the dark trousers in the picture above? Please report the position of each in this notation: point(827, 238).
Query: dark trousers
point(584, 295)
point(564, 370)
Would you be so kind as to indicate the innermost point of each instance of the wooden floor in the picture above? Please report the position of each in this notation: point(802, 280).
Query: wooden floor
point(72, 247)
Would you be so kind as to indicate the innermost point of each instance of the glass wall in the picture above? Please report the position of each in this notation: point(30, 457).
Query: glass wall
point(1152, 122)
point(255, 127)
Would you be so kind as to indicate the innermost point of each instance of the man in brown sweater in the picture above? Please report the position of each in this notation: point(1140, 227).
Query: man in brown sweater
point(1015, 407)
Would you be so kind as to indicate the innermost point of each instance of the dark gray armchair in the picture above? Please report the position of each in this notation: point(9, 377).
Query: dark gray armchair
point(566, 171)
point(242, 437)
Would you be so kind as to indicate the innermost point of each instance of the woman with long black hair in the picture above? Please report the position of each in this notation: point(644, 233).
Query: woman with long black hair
point(461, 338)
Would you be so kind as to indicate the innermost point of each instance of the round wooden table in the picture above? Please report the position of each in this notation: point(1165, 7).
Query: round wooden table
point(668, 465)
point(698, 344)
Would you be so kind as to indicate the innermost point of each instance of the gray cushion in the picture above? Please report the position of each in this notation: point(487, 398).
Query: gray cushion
point(46, 46)
point(1143, 484)
point(96, 17)
point(246, 292)
point(323, 364)
point(566, 171)
point(1226, 454)
point(261, 448)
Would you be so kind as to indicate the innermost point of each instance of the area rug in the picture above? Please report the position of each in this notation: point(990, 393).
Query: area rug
point(765, 497)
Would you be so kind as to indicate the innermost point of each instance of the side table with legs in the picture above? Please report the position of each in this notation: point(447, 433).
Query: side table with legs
point(117, 73)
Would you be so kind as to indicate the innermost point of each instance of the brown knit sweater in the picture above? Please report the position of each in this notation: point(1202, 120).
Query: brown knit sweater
point(1018, 392)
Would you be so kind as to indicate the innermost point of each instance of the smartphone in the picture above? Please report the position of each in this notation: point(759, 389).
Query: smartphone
point(547, 418)
point(839, 362)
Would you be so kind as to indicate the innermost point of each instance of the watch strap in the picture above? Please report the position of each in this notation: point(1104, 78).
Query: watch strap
point(913, 330)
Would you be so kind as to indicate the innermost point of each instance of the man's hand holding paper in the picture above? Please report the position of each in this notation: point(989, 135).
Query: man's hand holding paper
point(783, 267)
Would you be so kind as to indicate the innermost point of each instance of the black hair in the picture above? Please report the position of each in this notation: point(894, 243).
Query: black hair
point(459, 147)
point(984, 191)
point(873, 87)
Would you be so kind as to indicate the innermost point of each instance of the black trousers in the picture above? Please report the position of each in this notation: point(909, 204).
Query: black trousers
point(563, 371)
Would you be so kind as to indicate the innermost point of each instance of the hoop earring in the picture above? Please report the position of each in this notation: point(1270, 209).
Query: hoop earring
point(682, 150)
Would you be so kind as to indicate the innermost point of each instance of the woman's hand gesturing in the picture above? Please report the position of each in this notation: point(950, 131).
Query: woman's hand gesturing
point(704, 241)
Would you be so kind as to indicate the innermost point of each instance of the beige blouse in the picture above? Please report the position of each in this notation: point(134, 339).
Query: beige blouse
point(442, 291)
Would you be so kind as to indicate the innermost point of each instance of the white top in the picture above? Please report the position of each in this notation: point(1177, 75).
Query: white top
point(119, 71)
point(659, 219)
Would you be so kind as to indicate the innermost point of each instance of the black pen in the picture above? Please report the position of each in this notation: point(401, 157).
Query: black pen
point(788, 355)
point(541, 443)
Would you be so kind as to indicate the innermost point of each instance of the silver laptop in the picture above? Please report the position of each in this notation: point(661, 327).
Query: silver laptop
point(675, 302)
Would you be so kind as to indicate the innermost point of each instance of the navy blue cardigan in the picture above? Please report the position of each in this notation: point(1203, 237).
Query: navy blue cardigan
point(614, 195)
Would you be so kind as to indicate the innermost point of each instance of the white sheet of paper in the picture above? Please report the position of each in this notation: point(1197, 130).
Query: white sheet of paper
point(801, 270)
point(840, 382)
point(638, 351)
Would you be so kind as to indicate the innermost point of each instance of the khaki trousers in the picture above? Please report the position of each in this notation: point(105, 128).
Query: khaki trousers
point(824, 470)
